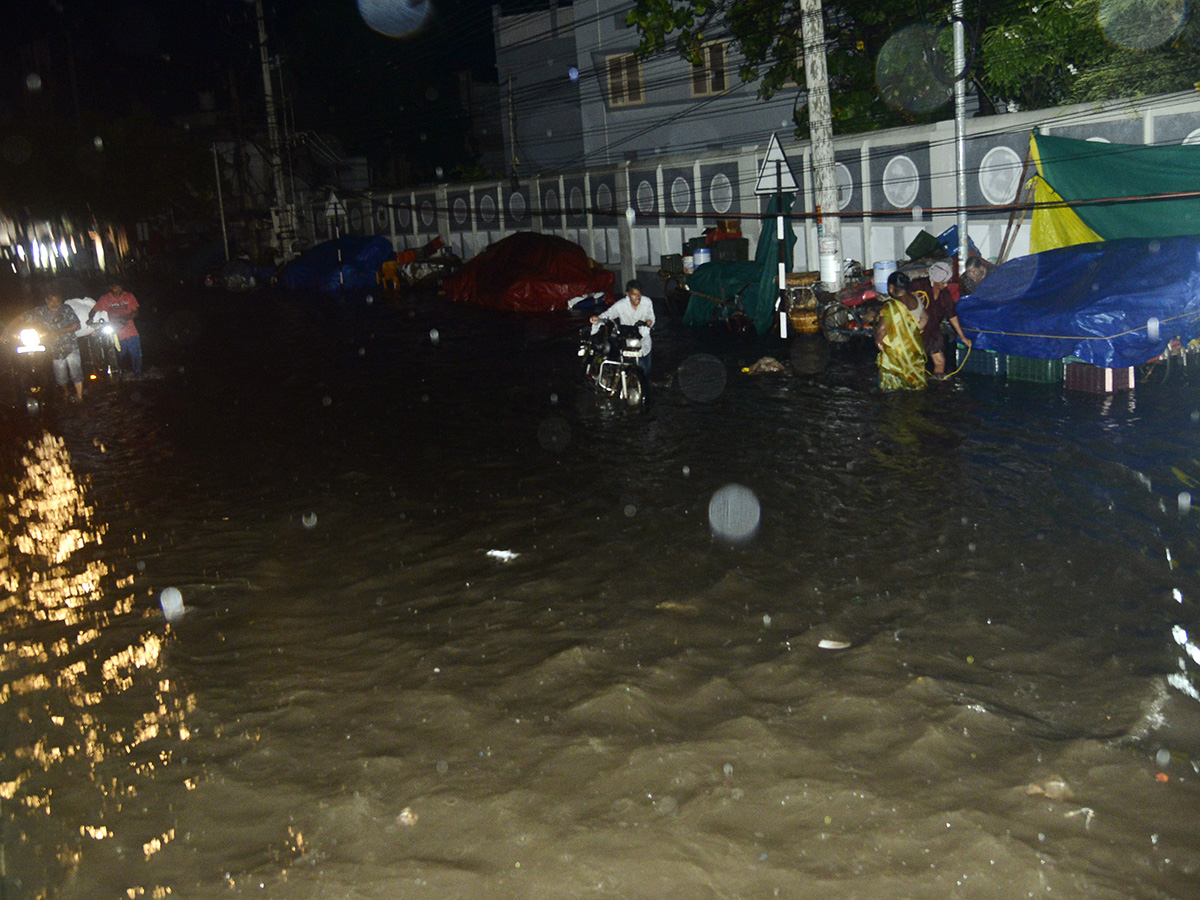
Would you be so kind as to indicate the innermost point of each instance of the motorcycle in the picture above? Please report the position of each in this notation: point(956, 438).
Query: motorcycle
point(104, 348)
point(610, 362)
point(29, 364)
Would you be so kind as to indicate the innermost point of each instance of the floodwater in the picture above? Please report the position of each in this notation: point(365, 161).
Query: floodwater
point(363, 700)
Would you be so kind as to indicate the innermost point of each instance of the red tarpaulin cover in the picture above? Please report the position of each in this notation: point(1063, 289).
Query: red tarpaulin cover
point(528, 272)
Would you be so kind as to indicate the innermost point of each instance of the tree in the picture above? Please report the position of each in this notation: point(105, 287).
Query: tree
point(767, 35)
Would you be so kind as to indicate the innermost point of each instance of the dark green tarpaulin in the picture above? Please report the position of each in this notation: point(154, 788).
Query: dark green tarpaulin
point(751, 287)
point(1086, 170)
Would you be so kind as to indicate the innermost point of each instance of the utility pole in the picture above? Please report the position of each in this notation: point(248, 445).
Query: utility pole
point(820, 124)
point(282, 229)
point(960, 127)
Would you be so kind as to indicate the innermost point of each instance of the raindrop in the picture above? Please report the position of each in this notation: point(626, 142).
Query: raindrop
point(908, 73)
point(734, 513)
point(553, 399)
point(424, 137)
point(431, 93)
point(433, 335)
point(728, 770)
point(362, 351)
point(687, 470)
point(702, 377)
point(33, 82)
point(442, 767)
point(327, 400)
point(1141, 26)
point(554, 434)
point(1185, 503)
point(370, 298)
point(98, 143)
point(1163, 758)
point(141, 565)
point(309, 520)
point(573, 73)
point(172, 604)
point(630, 510)
point(918, 213)
point(438, 171)
point(766, 620)
point(394, 18)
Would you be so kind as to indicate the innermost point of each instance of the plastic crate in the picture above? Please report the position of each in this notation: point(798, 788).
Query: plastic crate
point(1039, 371)
point(731, 250)
point(672, 263)
point(980, 362)
point(1081, 376)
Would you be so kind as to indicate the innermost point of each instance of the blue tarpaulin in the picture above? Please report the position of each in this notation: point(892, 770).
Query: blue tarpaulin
point(1112, 304)
point(317, 269)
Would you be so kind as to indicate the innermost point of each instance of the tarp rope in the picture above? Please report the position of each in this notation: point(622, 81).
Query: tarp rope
point(1193, 316)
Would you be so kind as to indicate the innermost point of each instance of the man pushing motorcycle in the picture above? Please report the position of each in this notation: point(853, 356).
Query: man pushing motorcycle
point(633, 309)
point(122, 308)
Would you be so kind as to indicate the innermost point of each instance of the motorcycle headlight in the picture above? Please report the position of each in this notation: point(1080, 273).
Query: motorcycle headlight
point(108, 329)
point(633, 343)
point(29, 340)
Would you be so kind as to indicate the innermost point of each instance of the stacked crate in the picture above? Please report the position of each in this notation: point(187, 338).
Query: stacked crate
point(980, 362)
point(1038, 371)
point(1081, 376)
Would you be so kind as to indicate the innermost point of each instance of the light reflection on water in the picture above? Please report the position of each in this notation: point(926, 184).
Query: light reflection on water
point(612, 699)
point(85, 709)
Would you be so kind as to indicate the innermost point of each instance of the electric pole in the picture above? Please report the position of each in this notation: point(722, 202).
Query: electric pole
point(282, 230)
point(820, 125)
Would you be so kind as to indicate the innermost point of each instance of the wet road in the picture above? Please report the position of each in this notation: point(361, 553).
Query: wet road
point(361, 701)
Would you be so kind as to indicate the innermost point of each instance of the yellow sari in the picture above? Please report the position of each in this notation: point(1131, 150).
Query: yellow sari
point(902, 359)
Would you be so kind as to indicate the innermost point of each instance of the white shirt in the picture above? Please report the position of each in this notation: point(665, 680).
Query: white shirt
point(624, 313)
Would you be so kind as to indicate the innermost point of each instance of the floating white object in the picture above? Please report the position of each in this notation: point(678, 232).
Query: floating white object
point(309, 520)
point(827, 644)
point(172, 604)
point(503, 555)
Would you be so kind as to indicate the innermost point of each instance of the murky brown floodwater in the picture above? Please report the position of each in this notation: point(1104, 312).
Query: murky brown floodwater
point(361, 702)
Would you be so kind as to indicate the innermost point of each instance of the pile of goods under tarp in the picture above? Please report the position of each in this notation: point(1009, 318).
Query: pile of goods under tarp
point(529, 272)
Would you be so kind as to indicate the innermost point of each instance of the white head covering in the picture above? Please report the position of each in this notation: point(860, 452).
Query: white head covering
point(940, 271)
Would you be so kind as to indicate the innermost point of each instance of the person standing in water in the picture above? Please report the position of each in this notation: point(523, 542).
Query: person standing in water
point(901, 357)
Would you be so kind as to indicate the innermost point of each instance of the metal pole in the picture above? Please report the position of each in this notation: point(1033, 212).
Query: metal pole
point(820, 122)
point(781, 303)
point(221, 204)
point(960, 127)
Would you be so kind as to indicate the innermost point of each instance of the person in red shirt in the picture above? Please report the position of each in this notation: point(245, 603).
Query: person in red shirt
point(122, 308)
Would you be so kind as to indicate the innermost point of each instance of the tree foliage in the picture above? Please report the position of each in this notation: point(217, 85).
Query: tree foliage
point(1028, 53)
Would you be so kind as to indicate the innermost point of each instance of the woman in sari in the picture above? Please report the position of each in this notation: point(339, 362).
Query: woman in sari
point(898, 336)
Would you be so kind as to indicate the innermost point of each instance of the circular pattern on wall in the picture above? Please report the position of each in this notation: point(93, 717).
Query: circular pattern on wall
point(604, 199)
point(356, 219)
point(681, 195)
point(459, 207)
point(576, 204)
point(645, 197)
point(487, 208)
point(381, 217)
point(844, 182)
point(516, 205)
point(901, 181)
point(720, 193)
point(403, 217)
point(1000, 175)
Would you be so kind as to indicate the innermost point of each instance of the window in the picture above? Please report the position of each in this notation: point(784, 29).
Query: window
point(624, 80)
point(708, 75)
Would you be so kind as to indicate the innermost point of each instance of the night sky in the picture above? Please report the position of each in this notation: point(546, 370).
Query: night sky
point(341, 77)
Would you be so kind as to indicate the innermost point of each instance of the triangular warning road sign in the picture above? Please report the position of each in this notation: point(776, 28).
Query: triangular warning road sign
point(775, 176)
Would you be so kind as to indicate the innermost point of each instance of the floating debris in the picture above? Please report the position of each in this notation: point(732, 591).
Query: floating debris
point(828, 644)
point(504, 556)
point(1053, 789)
point(406, 818)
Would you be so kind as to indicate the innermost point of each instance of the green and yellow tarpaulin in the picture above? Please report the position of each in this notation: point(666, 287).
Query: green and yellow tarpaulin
point(1070, 170)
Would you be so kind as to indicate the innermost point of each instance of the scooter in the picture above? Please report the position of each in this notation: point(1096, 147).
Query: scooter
point(610, 362)
point(104, 348)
